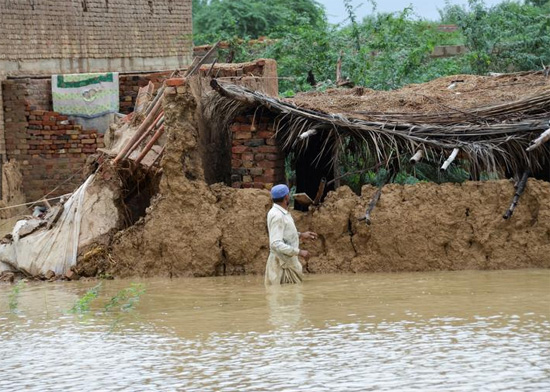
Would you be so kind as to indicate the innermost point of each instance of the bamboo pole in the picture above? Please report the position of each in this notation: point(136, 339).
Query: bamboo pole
point(192, 70)
point(158, 156)
point(417, 157)
point(450, 159)
point(149, 145)
point(142, 128)
point(154, 126)
point(519, 190)
point(543, 138)
point(307, 134)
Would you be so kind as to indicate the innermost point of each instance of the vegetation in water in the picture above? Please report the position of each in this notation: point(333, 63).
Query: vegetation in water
point(13, 297)
point(123, 302)
point(126, 299)
point(82, 305)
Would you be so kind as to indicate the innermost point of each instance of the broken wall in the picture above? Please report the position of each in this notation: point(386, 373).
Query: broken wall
point(192, 229)
point(49, 148)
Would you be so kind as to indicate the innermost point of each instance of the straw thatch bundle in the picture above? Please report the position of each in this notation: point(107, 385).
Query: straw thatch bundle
point(493, 137)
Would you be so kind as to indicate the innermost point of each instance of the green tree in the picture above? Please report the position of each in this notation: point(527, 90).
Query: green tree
point(507, 37)
point(226, 19)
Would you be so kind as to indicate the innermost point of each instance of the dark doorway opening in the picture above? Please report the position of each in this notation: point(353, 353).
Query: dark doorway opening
point(313, 164)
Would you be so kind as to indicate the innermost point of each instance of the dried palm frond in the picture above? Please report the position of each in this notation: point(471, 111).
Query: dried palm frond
point(492, 138)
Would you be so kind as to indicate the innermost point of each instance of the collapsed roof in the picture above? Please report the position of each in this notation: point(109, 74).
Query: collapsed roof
point(490, 120)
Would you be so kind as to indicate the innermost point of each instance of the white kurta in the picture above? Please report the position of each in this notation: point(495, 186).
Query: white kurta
point(283, 265)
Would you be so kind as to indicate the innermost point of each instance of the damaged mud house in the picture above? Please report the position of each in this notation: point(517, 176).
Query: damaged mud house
point(144, 159)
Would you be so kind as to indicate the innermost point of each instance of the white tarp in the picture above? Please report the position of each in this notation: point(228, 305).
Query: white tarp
point(55, 249)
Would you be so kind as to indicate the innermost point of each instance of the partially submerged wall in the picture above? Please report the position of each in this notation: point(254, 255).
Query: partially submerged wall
point(192, 229)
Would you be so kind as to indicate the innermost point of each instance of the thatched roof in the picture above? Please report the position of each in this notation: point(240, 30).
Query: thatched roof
point(492, 120)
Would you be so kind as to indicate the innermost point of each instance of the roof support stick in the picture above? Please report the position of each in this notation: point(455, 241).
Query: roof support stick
point(450, 159)
point(543, 138)
point(519, 190)
point(417, 157)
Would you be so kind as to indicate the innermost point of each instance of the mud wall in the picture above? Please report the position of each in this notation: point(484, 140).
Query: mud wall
point(192, 229)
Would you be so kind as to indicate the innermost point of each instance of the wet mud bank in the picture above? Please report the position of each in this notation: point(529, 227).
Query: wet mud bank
point(195, 229)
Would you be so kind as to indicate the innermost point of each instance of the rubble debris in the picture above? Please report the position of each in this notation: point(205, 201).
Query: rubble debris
point(136, 219)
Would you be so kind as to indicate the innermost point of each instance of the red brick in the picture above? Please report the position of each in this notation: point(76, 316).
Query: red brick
point(271, 142)
point(256, 171)
point(237, 127)
point(175, 82)
point(243, 135)
point(239, 149)
point(265, 134)
point(268, 149)
point(247, 156)
point(273, 157)
point(236, 163)
point(270, 164)
point(276, 172)
point(259, 157)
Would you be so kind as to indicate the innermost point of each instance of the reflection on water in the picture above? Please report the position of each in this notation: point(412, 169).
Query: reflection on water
point(459, 331)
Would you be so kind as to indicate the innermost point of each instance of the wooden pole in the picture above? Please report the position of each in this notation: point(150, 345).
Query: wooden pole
point(154, 126)
point(371, 205)
point(543, 138)
point(339, 69)
point(450, 159)
point(142, 128)
point(150, 144)
point(320, 191)
point(376, 196)
point(158, 156)
point(417, 157)
point(519, 190)
point(204, 59)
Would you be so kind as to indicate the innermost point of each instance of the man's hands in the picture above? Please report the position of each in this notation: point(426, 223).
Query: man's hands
point(308, 235)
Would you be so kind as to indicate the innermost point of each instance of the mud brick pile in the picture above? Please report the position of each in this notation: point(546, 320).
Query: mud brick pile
point(256, 159)
point(130, 84)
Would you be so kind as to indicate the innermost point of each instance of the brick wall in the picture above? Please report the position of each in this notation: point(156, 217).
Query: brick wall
point(49, 147)
point(256, 159)
point(216, 143)
point(129, 86)
point(67, 36)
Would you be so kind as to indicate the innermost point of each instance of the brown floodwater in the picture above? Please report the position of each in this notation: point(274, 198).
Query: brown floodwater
point(453, 331)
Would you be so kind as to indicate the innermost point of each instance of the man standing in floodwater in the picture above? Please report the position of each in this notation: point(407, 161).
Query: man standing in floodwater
point(283, 265)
